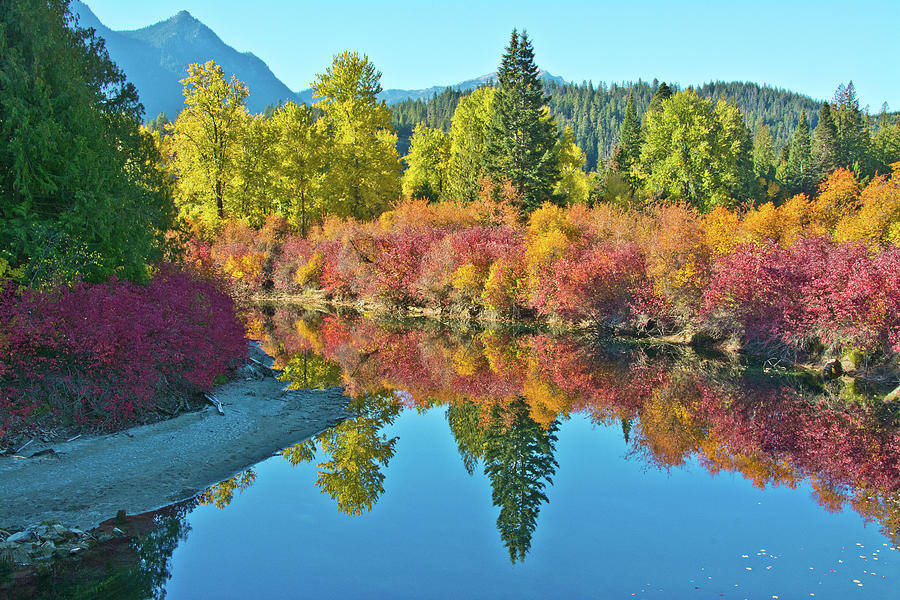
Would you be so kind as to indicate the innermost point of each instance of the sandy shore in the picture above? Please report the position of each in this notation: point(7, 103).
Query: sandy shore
point(144, 468)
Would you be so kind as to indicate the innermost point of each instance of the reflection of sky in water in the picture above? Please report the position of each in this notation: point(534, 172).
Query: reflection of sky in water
point(614, 527)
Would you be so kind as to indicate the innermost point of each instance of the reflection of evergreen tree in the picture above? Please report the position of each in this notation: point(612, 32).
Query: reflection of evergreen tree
point(519, 462)
point(353, 476)
point(465, 422)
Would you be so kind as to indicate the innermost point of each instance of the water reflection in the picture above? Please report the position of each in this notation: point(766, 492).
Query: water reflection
point(506, 396)
point(506, 392)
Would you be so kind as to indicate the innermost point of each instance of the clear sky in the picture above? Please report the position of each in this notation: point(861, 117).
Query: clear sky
point(809, 46)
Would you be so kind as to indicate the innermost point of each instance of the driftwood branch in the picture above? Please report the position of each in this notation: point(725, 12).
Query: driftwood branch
point(215, 402)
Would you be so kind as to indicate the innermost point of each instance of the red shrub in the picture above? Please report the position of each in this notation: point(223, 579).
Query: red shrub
point(96, 354)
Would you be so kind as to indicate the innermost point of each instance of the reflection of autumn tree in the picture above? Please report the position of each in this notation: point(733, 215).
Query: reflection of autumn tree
point(467, 425)
point(300, 453)
point(308, 370)
point(519, 462)
point(353, 476)
point(221, 494)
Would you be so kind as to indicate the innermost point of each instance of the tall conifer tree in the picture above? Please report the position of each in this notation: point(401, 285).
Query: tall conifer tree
point(825, 149)
point(800, 157)
point(629, 137)
point(522, 140)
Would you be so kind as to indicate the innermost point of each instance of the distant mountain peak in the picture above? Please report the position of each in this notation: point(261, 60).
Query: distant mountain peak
point(155, 59)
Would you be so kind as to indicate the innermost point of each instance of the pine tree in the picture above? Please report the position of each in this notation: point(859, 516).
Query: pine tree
point(629, 138)
point(519, 461)
point(523, 136)
point(663, 92)
point(800, 174)
point(851, 135)
point(825, 151)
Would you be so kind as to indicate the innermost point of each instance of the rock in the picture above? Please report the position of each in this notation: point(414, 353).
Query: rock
point(45, 550)
point(56, 533)
point(17, 554)
point(832, 370)
point(21, 537)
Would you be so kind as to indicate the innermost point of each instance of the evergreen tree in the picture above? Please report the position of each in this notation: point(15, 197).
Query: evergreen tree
point(825, 148)
point(629, 138)
point(82, 192)
point(518, 459)
point(663, 92)
point(851, 134)
point(799, 170)
point(523, 137)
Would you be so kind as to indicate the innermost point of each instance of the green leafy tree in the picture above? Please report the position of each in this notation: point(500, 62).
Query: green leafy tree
point(522, 140)
point(764, 153)
point(362, 172)
point(306, 369)
point(206, 139)
point(465, 422)
point(518, 459)
point(574, 185)
point(254, 176)
point(696, 153)
point(469, 132)
point(81, 188)
point(426, 175)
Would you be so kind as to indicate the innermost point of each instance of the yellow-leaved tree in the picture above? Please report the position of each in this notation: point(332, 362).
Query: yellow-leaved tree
point(204, 140)
point(362, 169)
point(300, 155)
point(574, 184)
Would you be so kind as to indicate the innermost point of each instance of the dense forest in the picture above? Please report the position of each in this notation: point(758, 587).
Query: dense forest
point(595, 114)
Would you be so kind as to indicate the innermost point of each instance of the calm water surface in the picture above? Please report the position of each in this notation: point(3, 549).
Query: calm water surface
point(528, 465)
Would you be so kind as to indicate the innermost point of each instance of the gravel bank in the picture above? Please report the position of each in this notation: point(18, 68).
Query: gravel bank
point(88, 480)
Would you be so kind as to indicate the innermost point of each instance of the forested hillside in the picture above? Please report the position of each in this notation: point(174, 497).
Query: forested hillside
point(595, 113)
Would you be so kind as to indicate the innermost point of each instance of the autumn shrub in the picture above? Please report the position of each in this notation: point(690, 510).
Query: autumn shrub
point(838, 198)
point(241, 254)
point(299, 265)
point(878, 219)
point(97, 355)
point(837, 294)
point(597, 283)
point(677, 260)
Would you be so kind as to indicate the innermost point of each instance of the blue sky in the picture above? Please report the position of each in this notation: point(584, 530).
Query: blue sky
point(806, 46)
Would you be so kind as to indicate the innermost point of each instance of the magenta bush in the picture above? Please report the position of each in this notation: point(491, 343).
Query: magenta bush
point(96, 354)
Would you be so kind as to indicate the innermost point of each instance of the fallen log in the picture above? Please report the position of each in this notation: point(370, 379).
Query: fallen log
point(215, 402)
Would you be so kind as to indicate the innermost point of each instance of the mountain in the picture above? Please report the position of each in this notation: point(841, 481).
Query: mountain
point(394, 96)
point(155, 59)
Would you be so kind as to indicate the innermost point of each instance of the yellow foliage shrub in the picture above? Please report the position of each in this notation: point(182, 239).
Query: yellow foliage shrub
point(310, 272)
point(469, 280)
point(762, 224)
point(795, 217)
point(838, 198)
point(878, 219)
point(720, 230)
point(245, 268)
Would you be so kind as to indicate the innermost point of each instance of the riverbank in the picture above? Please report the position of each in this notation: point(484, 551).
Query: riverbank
point(88, 480)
